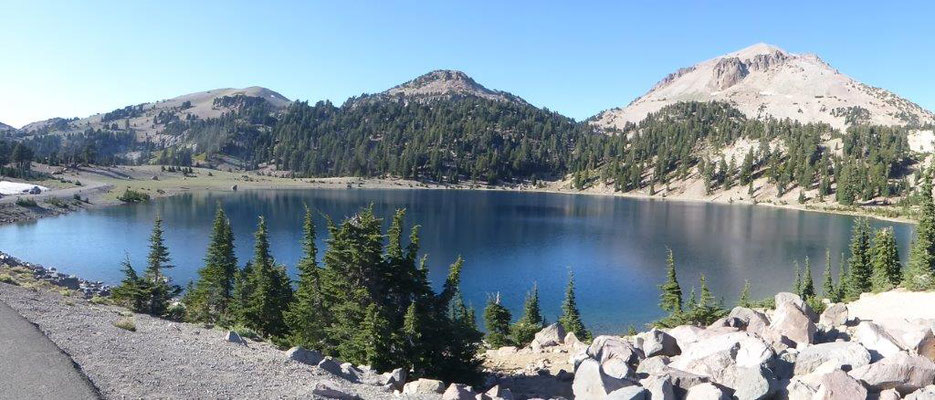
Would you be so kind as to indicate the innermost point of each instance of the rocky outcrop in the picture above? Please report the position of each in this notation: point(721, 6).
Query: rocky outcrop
point(423, 386)
point(728, 72)
point(310, 357)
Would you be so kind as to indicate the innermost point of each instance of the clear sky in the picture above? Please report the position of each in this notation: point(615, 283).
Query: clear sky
point(77, 58)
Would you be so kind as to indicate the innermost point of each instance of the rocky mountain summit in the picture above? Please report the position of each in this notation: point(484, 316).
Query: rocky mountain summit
point(6, 128)
point(445, 84)
point(764, 81)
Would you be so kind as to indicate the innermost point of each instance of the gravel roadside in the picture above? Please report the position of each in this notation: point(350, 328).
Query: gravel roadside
point(165, 359)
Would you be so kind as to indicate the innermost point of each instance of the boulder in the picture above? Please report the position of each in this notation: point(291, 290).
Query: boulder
point(848, 355)
point(591, 382)
point(793, 323)
point(656, 342)
point(423, 386)
point(748, 383)
point(652, 365)
point(709, 356)
point(617, 368)
point(330, 365)
point(395, 378)
point(680, 381)
point(879, 343)
point(571, 340)
point(507, 350)
point(350, 372)
point(926, 393)
point(839, 386)
point(912, 335)
point(889, 394)
point(706, 391)
point(606, 347)
point(685, 335)
point(834, 315)
point(310, 357)
point(457, 391)
point(552, 335)
point(497, 392)
point(629, 393)
point(659, 388)
point(904, 372)
point(233, 337)
point(750, 320)
point(328, 392)
point(784, 298)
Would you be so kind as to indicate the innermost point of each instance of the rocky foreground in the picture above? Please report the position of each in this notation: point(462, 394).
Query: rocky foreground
point(881, 347)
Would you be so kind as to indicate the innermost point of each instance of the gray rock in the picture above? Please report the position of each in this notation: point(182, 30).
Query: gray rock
point(843, 354)
point(685, 335)
point(656, 342)
point(497, 392)
point(912, 335)
point(926, 393)
point(904, 372)
point(834, 315)
point(750, 320)
point(330, 365)
point(709, 356)
point(793, 323)
point(424, 386)
point(653, 365)
point(706, 391)
point(310, 357)
point(659, 388)
point(783, 298)
point(325, 391)
point(552, 335)
point(680, 381)
point(629, 393)
point(591, 383)
point(889, 394)
point(395, 378)
point(750, 383)
point(233, 337)
point(617, 368)
point(457, 391)
point(604, 348)
point(350, 372)
point(839, 386)
point(877, 341)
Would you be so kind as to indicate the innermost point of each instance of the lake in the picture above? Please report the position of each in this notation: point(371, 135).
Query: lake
point(615, 246)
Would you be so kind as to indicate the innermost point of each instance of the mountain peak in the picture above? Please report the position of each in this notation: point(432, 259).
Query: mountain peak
point(765, 81)
point(446, 83)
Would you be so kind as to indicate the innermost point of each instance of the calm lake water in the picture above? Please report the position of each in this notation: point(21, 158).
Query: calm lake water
point(615, 246)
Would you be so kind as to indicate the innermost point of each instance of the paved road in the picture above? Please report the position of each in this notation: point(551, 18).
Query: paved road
point(32, 367)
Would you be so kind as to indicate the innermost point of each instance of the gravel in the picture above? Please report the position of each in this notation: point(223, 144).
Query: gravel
point(165, 359)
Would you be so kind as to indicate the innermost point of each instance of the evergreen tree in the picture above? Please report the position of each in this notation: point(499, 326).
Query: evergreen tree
point(133, 291)
point(827, 285)
point(414, 347)
point(860, 271)
point(708, 309)
point(671, 292)
point(271, 291)
point(797, 286)
point(161, 289)
point(211, 296)
point(306, 317)
point(745, 295)
point(497, 321)
point(920, 271)
point(525, 329)
point(808, 285)
point(885, 259)
point(376, 334)
point(571, 317)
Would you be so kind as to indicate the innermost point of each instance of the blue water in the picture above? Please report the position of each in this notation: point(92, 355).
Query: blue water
point(615, 246)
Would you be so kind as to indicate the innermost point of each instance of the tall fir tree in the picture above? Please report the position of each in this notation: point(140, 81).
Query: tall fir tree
point(708, 309)
point(887, 270)
point(133, 291)
point(531, 322)
point(497, 321)
point(797, 285)
point(808, 285)
point(571, 316)
point(827, 284)
point(161, 289)
point(306, 316)
point(860, 270)
point(744, 300)
point(211, 297)
point(271, 290)
point(920, 271)
point(671, 293)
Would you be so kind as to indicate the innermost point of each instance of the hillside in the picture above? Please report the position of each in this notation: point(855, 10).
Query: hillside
point(443, 85)
point(6, 128)
point(764, 81)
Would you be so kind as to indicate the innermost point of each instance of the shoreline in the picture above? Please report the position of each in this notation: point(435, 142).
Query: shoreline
point(102, 186)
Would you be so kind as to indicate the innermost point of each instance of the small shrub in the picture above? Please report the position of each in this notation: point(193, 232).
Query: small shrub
point(24, 202)
point(76, 196)
point(246, 332)
point(132, 196)
point(57, 202)
point(65, 292)
point(99, 300)
point(77, 183)
point(6, 278)
point(126, 324)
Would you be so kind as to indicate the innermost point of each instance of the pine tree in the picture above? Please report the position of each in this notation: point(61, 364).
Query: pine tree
point(306, 317)
point(885, 259)
point(860, 271)
point(843, 276)
point(271, 290)
point(133, 291)
point(797, 286)
point(414, 347)
point(708, 309)
point(161, 289)
point(571, 317)
point(808, 285)
point(671, 292)
point(827, 285)
point(920, 271)
point(497, 321)
point(211, 296)
point(525, 329)
point(745, 295)
point(376, 333)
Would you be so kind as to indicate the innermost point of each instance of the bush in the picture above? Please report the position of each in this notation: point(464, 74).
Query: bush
point(6, 278)
point(100, 300)
point(25, 202)
point(246, 332)
point(126, 324)
point(132, 196)
point(57, 202)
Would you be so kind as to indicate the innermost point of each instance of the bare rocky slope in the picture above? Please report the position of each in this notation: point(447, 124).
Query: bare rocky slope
point(765, 81)
point(5, 128)
point(443, 84)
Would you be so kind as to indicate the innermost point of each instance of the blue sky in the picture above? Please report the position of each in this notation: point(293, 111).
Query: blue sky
point(75, 58)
